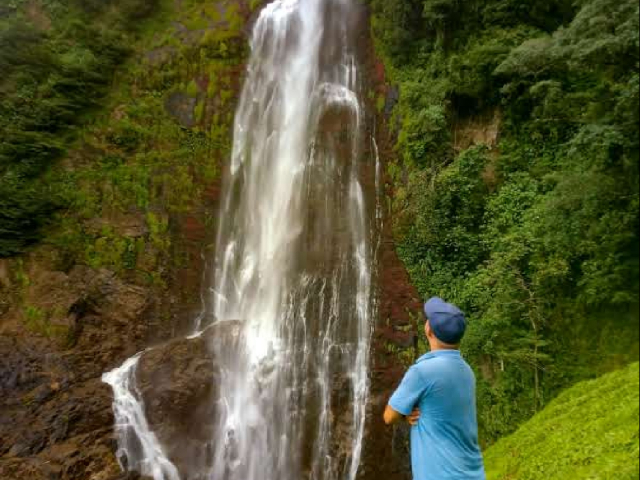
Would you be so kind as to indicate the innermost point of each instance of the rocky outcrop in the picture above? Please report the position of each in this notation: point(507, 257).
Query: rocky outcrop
point(182, 107)
point(178, 383)
point(56, 418)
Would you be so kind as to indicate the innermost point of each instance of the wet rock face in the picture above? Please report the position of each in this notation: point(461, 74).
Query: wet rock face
point(55, 414)
point(386, 453)
point(178, 382)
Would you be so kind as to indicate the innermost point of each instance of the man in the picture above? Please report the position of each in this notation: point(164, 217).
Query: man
point(438, 398)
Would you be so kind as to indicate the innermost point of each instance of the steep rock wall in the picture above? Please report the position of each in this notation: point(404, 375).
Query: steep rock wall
point(123, 268)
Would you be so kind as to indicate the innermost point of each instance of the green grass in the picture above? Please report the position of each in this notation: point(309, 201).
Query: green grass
point(589, 432)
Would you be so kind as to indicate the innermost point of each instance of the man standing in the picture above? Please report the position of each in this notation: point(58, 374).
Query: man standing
point(438, 398)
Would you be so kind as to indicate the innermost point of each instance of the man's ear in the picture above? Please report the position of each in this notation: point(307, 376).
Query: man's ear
point(427, 328)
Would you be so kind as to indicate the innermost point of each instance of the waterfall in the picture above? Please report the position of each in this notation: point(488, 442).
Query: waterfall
point(134, 434)
point(294, 266)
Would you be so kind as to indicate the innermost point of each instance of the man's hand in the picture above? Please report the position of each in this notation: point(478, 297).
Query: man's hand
point(414, 418)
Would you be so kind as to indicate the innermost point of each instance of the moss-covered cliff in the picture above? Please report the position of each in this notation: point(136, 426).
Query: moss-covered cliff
point(115, 118)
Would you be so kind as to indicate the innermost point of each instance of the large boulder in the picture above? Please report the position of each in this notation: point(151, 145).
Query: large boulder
point(178, 382)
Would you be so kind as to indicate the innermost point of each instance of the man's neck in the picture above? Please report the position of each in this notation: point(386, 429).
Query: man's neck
point(436, 346)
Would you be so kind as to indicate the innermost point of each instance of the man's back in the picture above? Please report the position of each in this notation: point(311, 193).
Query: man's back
point(444, 444)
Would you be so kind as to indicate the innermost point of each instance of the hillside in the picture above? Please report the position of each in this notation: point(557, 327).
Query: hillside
point(517, 185)
point(590, 431)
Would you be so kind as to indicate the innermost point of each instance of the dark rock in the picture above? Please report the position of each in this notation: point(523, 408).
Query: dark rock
point(161, 55)
point(28, 469)
point(41, 394)
point(178, 382)
point(392, 99)
point(59, 429)
point(182, 107)
point(29, 442)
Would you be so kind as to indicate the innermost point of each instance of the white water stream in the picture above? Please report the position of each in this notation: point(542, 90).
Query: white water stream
point(295, 265)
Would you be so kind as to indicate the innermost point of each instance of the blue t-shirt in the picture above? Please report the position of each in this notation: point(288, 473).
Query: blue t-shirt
point(444, 444)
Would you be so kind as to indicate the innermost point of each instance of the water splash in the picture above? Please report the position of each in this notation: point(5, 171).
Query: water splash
point(138, 447)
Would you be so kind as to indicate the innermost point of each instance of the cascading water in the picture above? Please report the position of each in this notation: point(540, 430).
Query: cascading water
point(295, 266)
point(137, 444)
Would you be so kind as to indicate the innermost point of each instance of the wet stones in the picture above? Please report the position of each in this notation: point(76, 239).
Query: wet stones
point(56, 418)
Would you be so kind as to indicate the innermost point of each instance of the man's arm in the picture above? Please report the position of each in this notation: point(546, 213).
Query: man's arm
point(406, 398)
point(391, 417)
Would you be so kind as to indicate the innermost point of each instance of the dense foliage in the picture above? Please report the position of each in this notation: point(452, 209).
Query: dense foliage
point(535, 232)
point(133, 163)
point(129, 189)
point(57, 59)
point(590, 431)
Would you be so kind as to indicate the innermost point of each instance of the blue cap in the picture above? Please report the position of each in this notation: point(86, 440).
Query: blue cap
point(447, 321)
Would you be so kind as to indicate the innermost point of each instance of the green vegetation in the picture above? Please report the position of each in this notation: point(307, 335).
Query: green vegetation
point(255, 4)
point(38, 321)
point(57, 60)
point(533, 231)
point(590, 431)
point(136, 155)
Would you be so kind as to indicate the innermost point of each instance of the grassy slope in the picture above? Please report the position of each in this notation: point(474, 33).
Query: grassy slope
point(589, 432)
